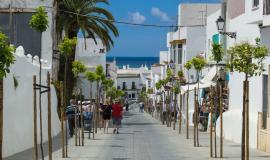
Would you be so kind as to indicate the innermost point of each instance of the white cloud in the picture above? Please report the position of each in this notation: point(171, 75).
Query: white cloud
point(162, 15)
point(136, 17)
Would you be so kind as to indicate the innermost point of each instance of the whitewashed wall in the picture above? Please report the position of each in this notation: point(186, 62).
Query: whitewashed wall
point(18, 107)
point(246, 26)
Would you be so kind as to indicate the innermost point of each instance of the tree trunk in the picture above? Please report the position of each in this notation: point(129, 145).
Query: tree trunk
point(1, 116)
point(187, 112)
point(62, 120)
point(82, 123)
point(221, 121)
point(247, 120)
point(90, 95)
point(246, 124)
point(35, 119)
point(211, 120)
point(49, 117)
point(195, 119)
point(174, 112)
point(197, 111)
point(40, 111)
point(243, 148)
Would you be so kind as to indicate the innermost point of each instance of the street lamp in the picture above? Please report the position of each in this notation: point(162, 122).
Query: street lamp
point(171, 64)
point(220, 27)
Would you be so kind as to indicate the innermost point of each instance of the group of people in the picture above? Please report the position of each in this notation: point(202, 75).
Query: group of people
point(107, 111)
point(112, 111)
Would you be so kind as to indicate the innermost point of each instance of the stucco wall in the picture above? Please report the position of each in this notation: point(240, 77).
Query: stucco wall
point(18, 107)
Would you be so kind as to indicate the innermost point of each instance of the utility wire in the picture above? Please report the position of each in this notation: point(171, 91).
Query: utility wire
point(130, 23)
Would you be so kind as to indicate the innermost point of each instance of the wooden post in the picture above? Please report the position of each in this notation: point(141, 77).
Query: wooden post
point(93, 123)
point(82, 124)
point(194, 119)
point(174, 112)
point(211, 120)
point(221, 120)
point(197, 116)
point(35, 118)
point(215, 126)
point(49, 117)
point(66, 137)
point(180, 113)
point(243, 146)
point(187, 116)
point(75, 122)
point(62, 121)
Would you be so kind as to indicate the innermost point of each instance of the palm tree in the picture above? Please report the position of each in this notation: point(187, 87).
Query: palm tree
point(6, 60)
point(93, 22)
point(188, 66)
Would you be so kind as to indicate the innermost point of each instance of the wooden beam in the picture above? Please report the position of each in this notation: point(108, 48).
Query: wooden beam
point(182, 41)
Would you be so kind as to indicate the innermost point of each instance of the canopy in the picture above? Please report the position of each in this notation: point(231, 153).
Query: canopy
point(204, 83)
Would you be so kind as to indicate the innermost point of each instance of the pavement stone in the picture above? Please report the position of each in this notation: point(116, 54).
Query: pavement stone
point(142, 137)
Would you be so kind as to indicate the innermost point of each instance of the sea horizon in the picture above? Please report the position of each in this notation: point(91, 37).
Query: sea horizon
point(133, 62)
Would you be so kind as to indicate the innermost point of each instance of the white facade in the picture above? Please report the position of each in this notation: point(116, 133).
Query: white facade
point(91, 55)
point(246, 25)
point(18, 105)
point(132, 80)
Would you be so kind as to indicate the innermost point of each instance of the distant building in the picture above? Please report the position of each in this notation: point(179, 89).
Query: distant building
point(132, 80)
point(92, 55)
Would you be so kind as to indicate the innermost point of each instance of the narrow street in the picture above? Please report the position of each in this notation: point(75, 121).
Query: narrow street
point(144, 138)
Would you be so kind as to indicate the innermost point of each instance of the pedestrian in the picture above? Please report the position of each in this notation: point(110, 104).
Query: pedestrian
point(141, 105)
point(117, 110)
point(70, 113)
point(126, 104)
point(106, 115)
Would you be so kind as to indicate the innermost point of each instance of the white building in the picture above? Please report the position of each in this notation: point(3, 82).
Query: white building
point(132, 80)
point(18, 101)
point(245, 17)
point(91, 55)
point(189, 39)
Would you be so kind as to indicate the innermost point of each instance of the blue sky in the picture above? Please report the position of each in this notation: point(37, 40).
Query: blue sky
point(143, 41)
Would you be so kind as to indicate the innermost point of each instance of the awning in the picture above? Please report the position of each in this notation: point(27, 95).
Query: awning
point(206, 82)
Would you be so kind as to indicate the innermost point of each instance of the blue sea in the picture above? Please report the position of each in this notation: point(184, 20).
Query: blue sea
point(134, 62)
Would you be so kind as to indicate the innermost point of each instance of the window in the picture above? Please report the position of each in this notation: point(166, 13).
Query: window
point(20, 33)
point(133, 85)
point(265, 100)
point(124, 86)
point(255, 3)
point(118, 87)
point(266, 7)
point(133, 95)
point(129, 96)
point(174, 53)
point(180, 54)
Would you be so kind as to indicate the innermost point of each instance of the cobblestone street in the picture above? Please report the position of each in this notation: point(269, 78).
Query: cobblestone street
point(144, 138)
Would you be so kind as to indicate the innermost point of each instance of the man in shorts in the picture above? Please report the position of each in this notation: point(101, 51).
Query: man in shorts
point(117, 110)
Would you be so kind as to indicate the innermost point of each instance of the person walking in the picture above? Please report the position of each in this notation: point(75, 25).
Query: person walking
point(126, 104)
point(141, 106)
point(70, 113)
point(117, 110)
point(106, 115)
